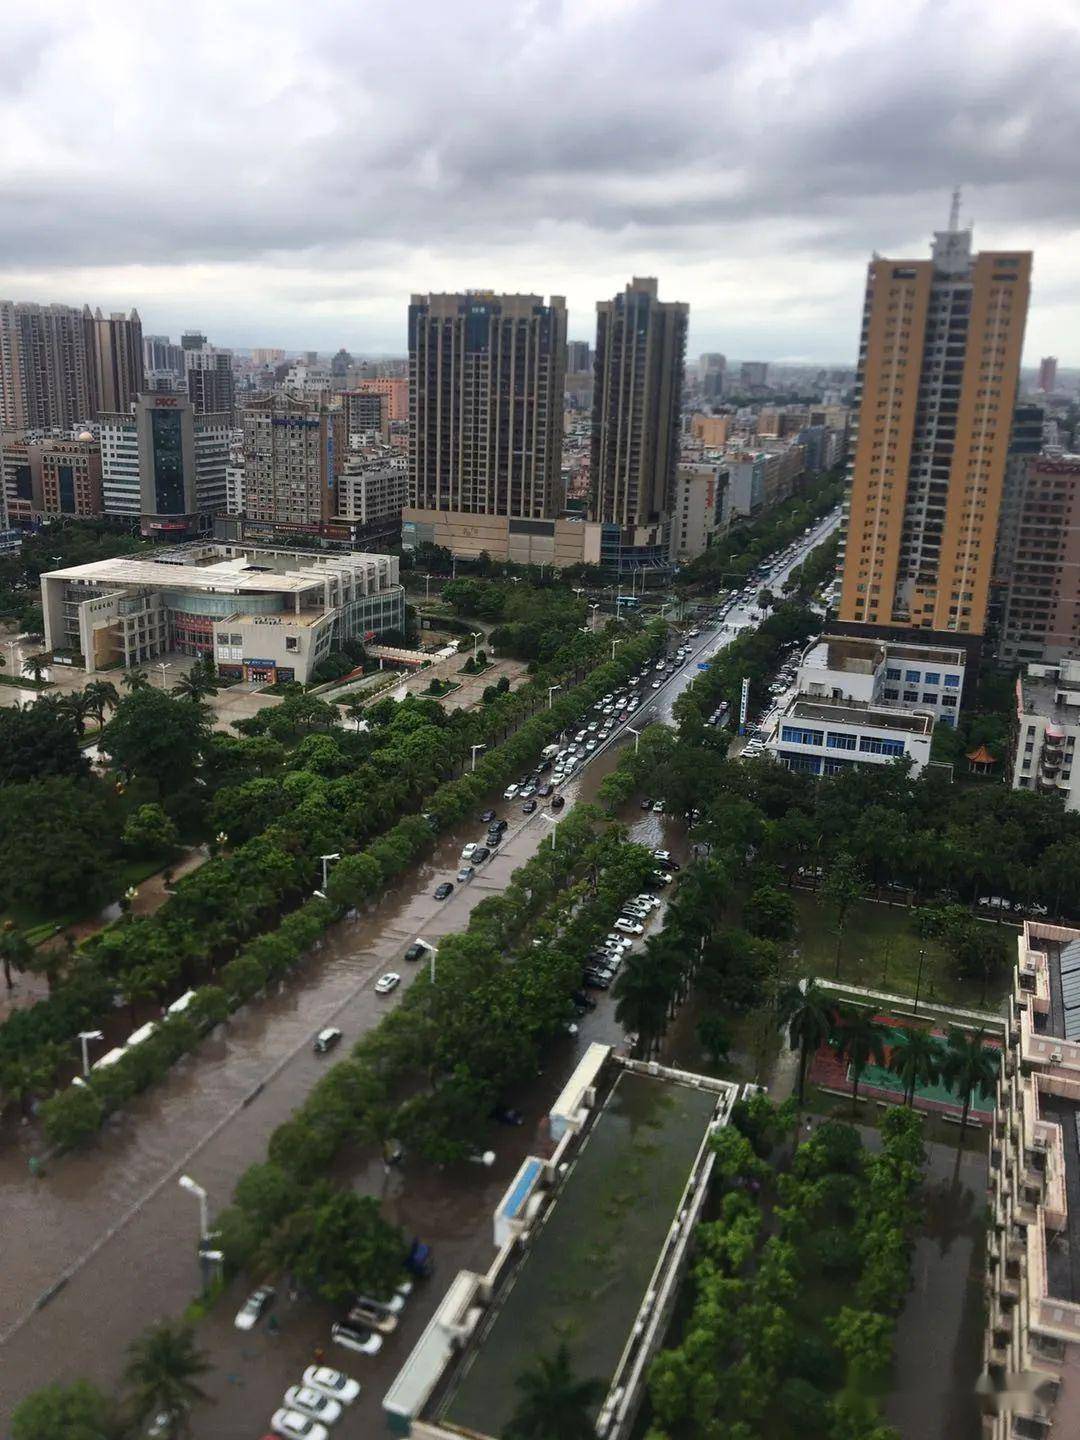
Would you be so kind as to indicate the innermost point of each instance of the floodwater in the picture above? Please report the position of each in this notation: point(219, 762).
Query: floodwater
point(106, 1239)
point(938, 1349)
point(103, 1243)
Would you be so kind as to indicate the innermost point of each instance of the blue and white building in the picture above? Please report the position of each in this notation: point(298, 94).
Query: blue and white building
point(823, 737)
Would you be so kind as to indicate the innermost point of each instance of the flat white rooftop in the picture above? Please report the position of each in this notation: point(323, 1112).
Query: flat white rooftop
point(232, 576)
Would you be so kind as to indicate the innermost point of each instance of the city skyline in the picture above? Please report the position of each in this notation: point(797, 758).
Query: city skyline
point(757, 163)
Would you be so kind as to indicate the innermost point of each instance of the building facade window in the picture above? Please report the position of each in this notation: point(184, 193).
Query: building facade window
point(838, 740)
point(795, 735)
point(874, 745)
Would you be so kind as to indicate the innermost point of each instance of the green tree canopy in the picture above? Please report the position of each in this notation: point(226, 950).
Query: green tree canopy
point(155, 735)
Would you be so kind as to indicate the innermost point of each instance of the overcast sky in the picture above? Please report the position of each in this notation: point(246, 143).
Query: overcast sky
point(286, 174)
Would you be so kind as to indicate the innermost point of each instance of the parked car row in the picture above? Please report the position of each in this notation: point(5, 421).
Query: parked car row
point(603, 963)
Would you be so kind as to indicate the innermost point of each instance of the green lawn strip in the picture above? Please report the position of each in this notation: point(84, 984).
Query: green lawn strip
point(880, 949)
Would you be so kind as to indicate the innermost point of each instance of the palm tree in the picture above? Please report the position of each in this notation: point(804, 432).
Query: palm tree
point(861, 1039)
point(162, 1369)
point(101, 695)
point(196, 684)
point(916, 1059)
point(554, 1404)
point(806, 1012)
point(78, 706)
point(641, 993)
point(36, 665)
point(969, 1065)
point(135, 680)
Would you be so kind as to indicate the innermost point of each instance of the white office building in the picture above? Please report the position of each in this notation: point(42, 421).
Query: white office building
point(926, 678)
point(262, 614)
point(1048, 731)
point(823, 737)
point(371, 490)
point(699, 509)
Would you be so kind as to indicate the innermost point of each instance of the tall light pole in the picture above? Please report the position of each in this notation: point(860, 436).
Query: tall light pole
point(594, 607)
point(475, 636)
point(85, 1036)
point(637, 737)
point(163, 665)
point(427, 587)
point(326, 859)
point(613, 644)
point(474, 749)
point(551, 692)
point(432, 952)
point(554, 826)
point(187, 1183)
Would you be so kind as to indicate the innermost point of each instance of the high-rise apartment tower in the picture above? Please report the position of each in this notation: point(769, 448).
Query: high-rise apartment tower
point(939, 361)
point(486, 379)
point(1048, 374)
point(637, 402)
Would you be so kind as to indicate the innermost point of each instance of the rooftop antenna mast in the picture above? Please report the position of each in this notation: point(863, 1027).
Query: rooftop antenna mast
point(954, 209)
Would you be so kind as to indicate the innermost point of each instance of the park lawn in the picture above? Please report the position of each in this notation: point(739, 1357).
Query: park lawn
point(880, 949)
point(38, 926)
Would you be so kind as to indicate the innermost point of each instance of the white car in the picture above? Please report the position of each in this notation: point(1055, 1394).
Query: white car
point(385, 983)
point(253, 1308)
point(332, 1383)
point(294, 1426)
point(468, 851)
point(661, 877)
point(629, 927)
point(658, 807)
point(651, 900)
point(510, 792)
point(364, 1342)
point(617, 942)
point(590, 745)
point(312, 1402)
point(656, 684)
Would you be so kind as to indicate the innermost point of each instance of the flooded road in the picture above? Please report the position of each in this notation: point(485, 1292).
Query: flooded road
point(104, 1244)
point(106, 1238)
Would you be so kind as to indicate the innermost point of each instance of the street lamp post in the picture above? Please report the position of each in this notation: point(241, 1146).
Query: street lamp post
point(432, 952)
point(85, 1036)
point(163, 665)
point(326, 859)
point(474, 749)
point(613, 644)
point(637, 737)
point(551, 692)
point(554, 826)
point(475, 636)
point(918, 978)
point(427, 587)
point(187, 1183)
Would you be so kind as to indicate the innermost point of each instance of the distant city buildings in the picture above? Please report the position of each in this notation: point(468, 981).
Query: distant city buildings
point(753, 376)
point(61, 366)
point(267, 356)
point(712, 373)
point(1048, 374)
point(637, 407)
point(293, 449)
point(938, 370)
point(578, 357)
point(367, 414)
point(209, 376)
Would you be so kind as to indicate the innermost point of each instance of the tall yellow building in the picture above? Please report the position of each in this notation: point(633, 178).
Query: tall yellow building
point(939, 360)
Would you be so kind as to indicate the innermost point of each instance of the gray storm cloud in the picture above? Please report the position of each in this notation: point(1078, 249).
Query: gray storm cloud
point(275, 170)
